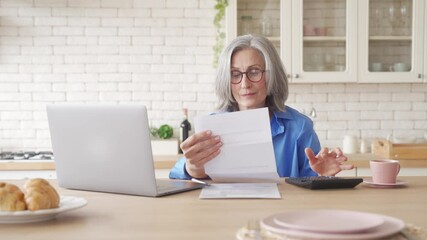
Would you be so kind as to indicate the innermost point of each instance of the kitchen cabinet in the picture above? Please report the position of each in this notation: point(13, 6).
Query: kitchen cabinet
point(338, 40)
point(391, 40)
point(258, 17)
point(323, 37)
point(313, 37)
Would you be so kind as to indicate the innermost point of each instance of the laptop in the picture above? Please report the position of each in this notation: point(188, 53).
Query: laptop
point(107, 148)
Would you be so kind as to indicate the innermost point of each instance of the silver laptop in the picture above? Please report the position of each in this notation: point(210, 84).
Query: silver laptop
point(107, 148)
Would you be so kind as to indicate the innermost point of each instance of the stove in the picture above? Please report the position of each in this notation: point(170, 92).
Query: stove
point(26, 155)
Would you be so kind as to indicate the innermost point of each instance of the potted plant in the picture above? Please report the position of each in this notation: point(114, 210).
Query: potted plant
point(162, 140)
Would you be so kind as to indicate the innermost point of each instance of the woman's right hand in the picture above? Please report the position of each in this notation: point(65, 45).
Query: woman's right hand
point(198, 149)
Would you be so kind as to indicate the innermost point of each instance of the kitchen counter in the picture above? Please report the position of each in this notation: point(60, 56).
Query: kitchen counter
point(160, 162)
point(360, 160)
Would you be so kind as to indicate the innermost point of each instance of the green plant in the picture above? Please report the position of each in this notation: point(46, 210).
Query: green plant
point(153, 131)
point(164, 132)
point(220, 7)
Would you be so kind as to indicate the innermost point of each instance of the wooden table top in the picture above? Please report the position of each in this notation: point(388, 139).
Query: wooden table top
point(185, 216)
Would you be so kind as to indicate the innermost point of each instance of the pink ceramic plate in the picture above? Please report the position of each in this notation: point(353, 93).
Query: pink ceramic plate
point(389, 227)
point(398, 183)
point(329, 221)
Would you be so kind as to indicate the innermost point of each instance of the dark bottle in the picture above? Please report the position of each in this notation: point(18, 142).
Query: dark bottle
point(184, 128)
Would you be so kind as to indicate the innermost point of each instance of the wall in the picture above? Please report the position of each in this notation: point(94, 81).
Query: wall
point(158, 53)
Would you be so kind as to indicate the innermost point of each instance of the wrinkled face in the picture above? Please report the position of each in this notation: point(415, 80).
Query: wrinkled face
point(248, 94)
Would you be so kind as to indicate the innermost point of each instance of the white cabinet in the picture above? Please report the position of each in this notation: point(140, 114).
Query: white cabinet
point(323, 40)
point(338, 40)
point(258, 17)
point(391, 34)
point(315, 38)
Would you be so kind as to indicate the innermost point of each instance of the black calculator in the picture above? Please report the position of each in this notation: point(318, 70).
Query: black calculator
point(324, 182)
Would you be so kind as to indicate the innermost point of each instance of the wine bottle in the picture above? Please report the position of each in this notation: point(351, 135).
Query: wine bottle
point(184, 128)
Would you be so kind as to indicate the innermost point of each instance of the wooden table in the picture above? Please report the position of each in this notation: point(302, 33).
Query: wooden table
point(185, 216)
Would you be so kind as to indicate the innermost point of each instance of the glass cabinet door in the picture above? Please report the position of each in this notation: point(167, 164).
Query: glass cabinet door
point(391, 35)
point(324, 33)
point(317, 39)
point(257, 17)
point(270, 18)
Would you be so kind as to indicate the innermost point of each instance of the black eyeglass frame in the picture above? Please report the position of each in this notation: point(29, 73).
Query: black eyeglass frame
point(246, 73)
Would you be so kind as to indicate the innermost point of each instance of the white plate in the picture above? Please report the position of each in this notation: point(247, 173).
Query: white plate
point(329, 221)
point(67, 203)
point(398, 183)
point(389, 227)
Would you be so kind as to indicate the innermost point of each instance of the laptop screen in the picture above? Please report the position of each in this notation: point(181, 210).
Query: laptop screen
point(102, 147)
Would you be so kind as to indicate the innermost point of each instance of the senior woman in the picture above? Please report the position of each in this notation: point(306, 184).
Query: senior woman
point(251, 75)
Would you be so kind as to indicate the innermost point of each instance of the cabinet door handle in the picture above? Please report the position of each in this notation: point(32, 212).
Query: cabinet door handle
point(420, 75)
point(296, 75)
point(288, 75)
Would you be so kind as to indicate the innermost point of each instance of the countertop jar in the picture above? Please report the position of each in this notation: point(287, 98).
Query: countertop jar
point(350, 144)
point(364, 146)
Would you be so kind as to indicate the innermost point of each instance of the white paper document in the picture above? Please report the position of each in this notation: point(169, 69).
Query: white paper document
point(247, 154)
point(240, 190)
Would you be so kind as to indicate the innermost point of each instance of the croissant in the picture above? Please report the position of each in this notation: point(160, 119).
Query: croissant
point(39, 194)
point(11, 198)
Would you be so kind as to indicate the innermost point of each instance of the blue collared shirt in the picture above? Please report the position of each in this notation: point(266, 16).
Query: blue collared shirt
point(292, 132)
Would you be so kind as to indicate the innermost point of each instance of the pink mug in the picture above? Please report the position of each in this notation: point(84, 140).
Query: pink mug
point(384, 171)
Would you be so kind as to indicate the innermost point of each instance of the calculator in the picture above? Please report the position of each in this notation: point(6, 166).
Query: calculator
point(324, 182)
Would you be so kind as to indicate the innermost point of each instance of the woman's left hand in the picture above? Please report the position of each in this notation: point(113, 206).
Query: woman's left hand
point(327, 163)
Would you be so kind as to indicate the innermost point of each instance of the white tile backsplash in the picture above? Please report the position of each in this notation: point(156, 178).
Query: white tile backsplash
point(158, 53)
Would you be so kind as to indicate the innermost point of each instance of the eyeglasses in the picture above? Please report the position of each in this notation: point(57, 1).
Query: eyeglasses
point(253, 75)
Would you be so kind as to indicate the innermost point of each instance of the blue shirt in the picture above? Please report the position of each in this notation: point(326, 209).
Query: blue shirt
point(292, 132)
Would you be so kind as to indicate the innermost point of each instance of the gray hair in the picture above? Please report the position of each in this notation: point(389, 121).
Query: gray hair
point(276, 80)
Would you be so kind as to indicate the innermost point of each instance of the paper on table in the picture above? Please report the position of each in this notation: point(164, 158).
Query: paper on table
point(241, 190)
point(247, 154)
